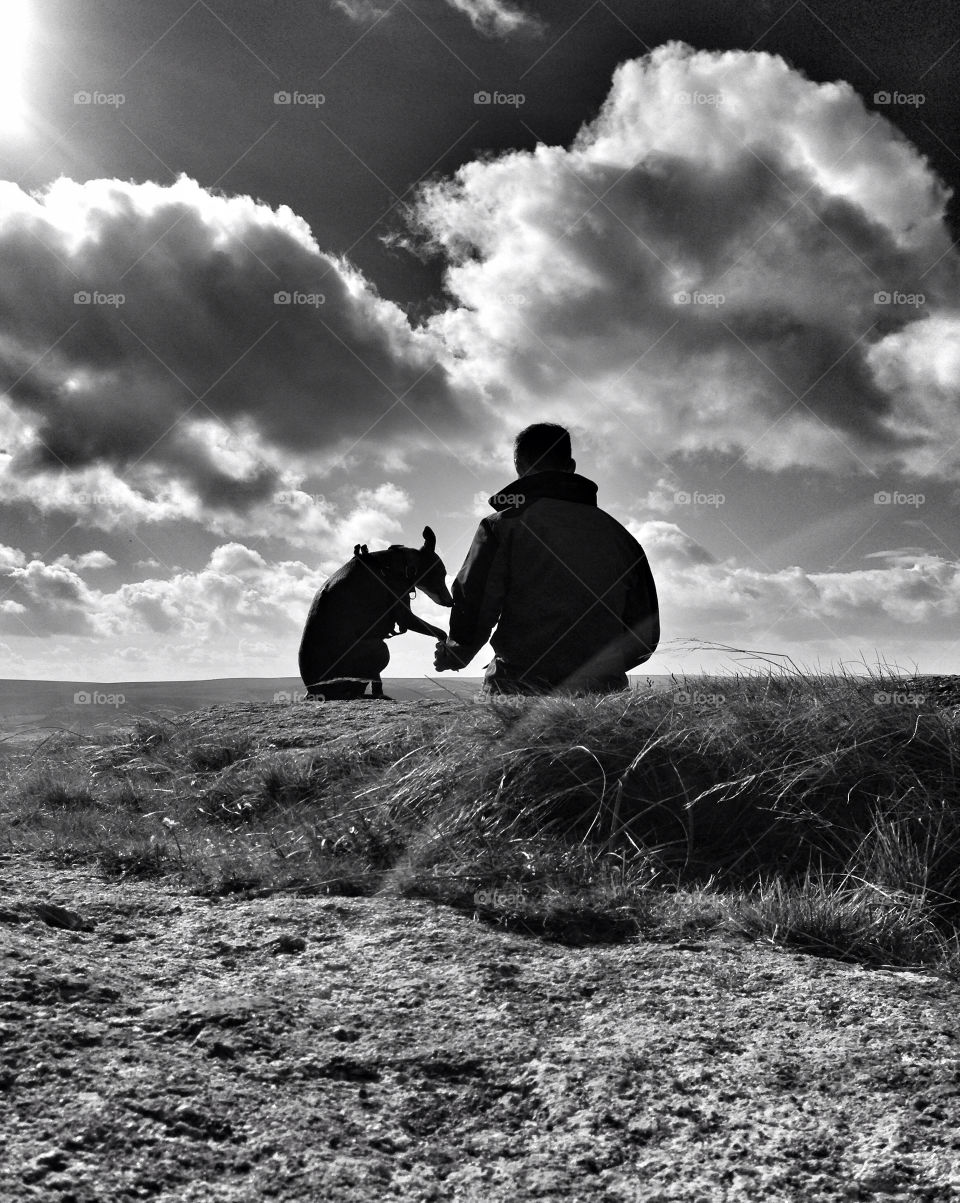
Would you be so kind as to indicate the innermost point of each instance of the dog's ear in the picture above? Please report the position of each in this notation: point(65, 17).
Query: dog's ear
point(429, 540)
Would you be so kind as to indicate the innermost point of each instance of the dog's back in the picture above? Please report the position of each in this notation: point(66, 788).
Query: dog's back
point(353, 605)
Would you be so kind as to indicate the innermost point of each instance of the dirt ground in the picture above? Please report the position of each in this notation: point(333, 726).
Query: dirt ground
point(158, 1045)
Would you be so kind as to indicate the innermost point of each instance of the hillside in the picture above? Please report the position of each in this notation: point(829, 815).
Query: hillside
point(293, 952)
point(29, 707)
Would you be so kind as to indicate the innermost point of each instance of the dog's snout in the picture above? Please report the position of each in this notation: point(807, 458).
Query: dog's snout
point(438, 593)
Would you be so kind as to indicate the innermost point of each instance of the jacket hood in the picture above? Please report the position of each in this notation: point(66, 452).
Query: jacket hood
point(561, 486)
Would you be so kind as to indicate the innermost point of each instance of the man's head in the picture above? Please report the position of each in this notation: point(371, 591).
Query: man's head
point(543, 447)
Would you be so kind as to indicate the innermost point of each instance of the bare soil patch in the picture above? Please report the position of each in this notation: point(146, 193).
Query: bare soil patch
point(159, 1045)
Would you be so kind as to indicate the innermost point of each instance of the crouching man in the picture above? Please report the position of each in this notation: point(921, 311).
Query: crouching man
point(567, 587)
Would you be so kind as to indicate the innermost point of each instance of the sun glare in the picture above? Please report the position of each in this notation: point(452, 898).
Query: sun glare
point(14, 33)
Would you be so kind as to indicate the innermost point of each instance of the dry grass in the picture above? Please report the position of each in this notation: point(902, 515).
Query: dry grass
point(795, 808)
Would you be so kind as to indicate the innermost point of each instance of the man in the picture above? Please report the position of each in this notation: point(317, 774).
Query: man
point(567, 587)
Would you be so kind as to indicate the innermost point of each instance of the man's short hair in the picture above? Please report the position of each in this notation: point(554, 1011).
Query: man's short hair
point(544, 447)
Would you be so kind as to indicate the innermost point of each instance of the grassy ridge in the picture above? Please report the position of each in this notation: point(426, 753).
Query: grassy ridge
point(822, 812)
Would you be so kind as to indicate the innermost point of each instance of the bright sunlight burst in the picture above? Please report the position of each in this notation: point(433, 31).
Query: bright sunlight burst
point(14, 32)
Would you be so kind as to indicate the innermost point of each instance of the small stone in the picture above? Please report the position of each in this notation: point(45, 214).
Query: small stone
point(60, 916)
point(45, 1163)
point(287, 943)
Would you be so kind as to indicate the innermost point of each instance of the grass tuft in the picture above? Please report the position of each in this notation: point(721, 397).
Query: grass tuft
point(820, 812)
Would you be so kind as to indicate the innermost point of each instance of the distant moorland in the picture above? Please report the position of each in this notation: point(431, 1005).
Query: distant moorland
point(28, 708)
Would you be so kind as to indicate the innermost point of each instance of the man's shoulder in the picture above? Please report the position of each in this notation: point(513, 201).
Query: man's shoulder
point(592, 515)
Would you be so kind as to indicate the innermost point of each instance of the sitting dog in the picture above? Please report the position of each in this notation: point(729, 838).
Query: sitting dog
point(354, 613)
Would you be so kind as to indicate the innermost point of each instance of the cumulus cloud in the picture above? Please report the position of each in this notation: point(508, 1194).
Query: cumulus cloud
point(493, 18)
point(178, 353)
point(666, 543)
point(699, 595)
point(362, 10)
point(730, 258)
point(89, 559)
point(238, 594)
point(41, 599)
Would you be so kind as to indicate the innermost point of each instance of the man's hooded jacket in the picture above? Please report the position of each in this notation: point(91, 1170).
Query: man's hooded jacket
point(567, 587)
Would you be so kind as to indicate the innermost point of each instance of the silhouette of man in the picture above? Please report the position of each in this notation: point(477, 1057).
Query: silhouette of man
point(567, 587)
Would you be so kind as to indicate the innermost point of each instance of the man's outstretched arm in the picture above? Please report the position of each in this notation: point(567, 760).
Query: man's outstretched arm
point(477, 599)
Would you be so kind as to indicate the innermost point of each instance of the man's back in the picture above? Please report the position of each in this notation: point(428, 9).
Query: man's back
point(567, 586)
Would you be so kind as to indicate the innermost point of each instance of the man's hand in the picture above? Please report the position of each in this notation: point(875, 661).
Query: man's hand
point(448, 655)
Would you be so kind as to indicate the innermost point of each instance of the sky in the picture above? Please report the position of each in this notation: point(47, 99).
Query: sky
point(282, 276)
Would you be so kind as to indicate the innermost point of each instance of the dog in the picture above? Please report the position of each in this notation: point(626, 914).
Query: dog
point(353, 614)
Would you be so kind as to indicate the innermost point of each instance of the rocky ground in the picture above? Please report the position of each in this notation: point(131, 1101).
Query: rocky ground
point(158, 1045)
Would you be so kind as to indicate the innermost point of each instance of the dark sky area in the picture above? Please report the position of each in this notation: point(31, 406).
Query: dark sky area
point(399, 96)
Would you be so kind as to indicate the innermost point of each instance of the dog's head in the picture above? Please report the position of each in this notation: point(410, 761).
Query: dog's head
point(431, 576)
